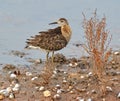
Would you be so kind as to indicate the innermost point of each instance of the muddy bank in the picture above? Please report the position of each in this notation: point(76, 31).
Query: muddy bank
point(65, 80)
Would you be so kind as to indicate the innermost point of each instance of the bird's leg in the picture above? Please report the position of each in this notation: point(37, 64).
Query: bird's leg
point(52, 56)
point(47, 56)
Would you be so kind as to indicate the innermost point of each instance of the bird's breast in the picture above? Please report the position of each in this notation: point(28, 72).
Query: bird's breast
point(66, 32)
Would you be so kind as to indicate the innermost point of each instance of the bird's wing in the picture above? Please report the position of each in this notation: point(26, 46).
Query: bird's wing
point(56, 30)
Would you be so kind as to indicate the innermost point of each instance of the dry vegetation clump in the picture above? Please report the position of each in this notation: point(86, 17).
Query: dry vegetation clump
point(97, 43)
point(47, 72)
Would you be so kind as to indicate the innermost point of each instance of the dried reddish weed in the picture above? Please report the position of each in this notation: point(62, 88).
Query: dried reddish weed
point(97, 43)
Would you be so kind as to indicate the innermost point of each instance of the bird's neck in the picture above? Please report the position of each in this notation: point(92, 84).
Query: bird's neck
point(66, 32)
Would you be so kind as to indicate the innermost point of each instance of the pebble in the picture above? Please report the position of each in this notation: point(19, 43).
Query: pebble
point(4, 92)
point(89, 99)
point(82, 77)
point(89, 74)
point(80, 99)
point(41, 88)
point(59, 91)
point(55, 72)
point(72, 92)
point(58, 86)
point(1, 97)
point(28, 74)
point(11, 96)
point(118, 95)
point(34, 78)
point(73, 64)
point(13, 75)
point(116, 53)
point(17, 85)
point(109, 88)
point(47, 93)
point(15, 89)
point(93, 91)
point(37, 88)
point(64, 81)
point(9, 89)
point(57, 96)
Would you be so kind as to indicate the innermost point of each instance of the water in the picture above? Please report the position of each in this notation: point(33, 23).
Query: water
point(19, 19)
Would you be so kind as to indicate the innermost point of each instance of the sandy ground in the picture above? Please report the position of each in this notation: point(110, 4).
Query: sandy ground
point(65, 80)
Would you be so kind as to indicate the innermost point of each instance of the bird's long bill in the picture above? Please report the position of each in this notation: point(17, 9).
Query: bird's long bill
point(52, 23)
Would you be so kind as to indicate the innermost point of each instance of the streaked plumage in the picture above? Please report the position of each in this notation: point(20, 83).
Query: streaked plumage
point(53, 39)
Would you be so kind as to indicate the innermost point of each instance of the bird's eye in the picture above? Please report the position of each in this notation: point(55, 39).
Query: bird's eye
point(62, 21)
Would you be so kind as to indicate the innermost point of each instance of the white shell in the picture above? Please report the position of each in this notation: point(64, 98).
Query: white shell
point(47, 93)
point(13, 75)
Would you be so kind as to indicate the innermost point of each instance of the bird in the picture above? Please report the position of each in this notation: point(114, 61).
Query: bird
point(53, 39)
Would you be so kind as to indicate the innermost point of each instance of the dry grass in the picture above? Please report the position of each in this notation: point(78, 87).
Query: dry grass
point(97, 43)
point(47, 72)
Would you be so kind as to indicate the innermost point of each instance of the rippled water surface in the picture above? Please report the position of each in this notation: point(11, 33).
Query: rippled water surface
point(19, 19)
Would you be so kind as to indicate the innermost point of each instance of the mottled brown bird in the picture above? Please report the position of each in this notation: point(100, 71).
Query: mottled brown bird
point(53, 39)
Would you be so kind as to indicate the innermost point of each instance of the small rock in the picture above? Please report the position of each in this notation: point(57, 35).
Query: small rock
point(64, 81)
point(82, 77)
point(37, 88)
point(59, 91)
point(93, 91)
point(15, 89)
point(72, 92)
point(58, 86)
point(116, 53)
point(89, 99)
point(17, 85)
point(118, 95)
point(17, 53)
point(65, 72)
point(55, 72)
point(11, 96)
point(9, 89)
point(13, 75)
point(34, 78)
point(9, 67)
point(4, 92)
point(89, 74)
point(109, 89)
point(57, 96)
point(38, 61)
point(41, 88)
point(47, 93)
point(1, 97)
point(53, 76)
point(74, 64)
point(80, 99)
point(28, 74)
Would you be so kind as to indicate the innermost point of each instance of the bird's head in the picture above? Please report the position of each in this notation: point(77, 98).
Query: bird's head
point(60, 22)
